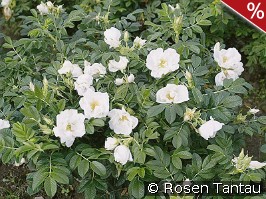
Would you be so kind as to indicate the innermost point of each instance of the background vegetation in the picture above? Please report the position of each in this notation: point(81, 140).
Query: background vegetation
point(220, 25)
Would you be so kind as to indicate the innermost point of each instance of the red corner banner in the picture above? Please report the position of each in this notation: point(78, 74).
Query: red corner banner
point(252, 10)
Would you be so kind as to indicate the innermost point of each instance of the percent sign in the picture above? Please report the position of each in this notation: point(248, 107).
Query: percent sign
point(252, 7)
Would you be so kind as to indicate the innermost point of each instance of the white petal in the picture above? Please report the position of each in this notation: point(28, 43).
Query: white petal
point(256, 165)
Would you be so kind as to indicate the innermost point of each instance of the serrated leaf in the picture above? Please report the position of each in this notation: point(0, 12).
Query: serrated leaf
point(155, 110)
point(60, 178)
point(50, 186)
point(197, 95)
point(136, 188)
point(38, 178)
point(121, 92)
point(232, 101)
point(262, 119)
point(31, 112)
point(90, 192)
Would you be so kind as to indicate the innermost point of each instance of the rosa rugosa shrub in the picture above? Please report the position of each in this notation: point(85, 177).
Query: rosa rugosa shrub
point(108, 104)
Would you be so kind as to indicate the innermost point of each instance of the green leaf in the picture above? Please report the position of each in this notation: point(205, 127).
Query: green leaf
point(204, 22)
point(155, 110)
point(60, 177)
point(215, 148)
point(38, 178)
point(97, 122)
point(74, 161)
point(170, 114)
point(263, 148)
point(50, 186)
point(184, 155)
point(255, 177)
point(90, 192)
point(22, 132)
point(232, 101)
point(194, 48)
point(136, 188)
point(89, 128)
point(197, 28)
point(121, 92)
point(83, 168)
point(132, 172)
point(262, 119)
point(177, 162)
point(208, 163)
point(31, 113)
point(98, 168)
point(197, 95)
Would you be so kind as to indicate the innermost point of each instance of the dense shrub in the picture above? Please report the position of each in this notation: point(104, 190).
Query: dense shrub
point(112, 95)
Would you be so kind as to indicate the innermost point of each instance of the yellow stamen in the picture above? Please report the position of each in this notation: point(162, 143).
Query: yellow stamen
point(68, 127)
point(123, 118)
point(163, 63)
point(225, 59)
point(169, 96)
point(94, 104)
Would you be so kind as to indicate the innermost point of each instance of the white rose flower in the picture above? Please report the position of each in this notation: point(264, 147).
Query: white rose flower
point(253, 111)
point(110, 143)
point(60, 8)
point(138, 42)
point(68, 67)
point(83, 84)
point(22, 161)
point(237, 68)
point(43, 8)
point(7, 12)
point(95, 104)
point(177, 7)
point(95, 69)
point(189, 114)
point(76, 71)
point(256, 165)
point(119, 81)
point(122, 154)
point(252, 165)
point(161, 62)
point(112, 37)
point(121, 122)
point(4, 124)
point(115, 66)
point(31, 86)
point(130, 78)
point(226, 58)
point(230, 62)
point(69, 125)
point(210, 128)
point(49, 4)
point(5, 3)
point(172, 94)
point(220, 77)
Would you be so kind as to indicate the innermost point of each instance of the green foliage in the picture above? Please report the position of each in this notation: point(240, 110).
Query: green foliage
point(164, 145)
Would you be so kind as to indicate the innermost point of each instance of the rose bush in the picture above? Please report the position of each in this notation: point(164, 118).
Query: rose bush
point(108, 104)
